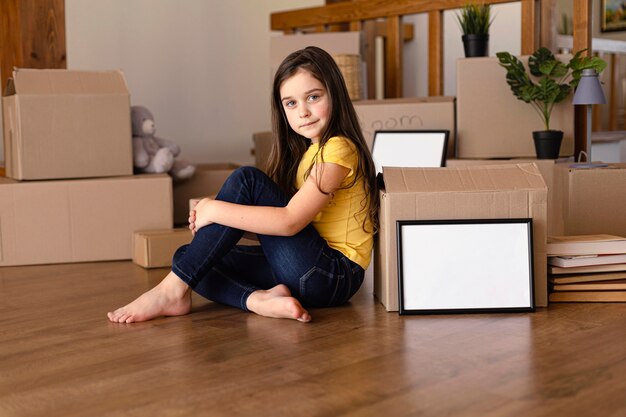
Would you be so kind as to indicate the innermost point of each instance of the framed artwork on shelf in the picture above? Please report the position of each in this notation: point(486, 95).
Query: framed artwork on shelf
point(465, 266)
point(613, 15)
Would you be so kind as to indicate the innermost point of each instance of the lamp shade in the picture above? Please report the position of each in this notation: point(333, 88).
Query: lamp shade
point(589, 90)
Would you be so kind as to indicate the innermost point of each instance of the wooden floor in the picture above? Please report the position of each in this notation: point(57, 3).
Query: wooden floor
point(59, 356)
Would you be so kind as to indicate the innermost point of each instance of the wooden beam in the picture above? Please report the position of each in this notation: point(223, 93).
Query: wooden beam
point(582, 40)
point(369, 29)
point(393, 58)
point(362, 10)
point(530, 17)
point(356, 26)
point(435, 53)
point(548, 24)
point(32, 35)
point(612, 90)
point(407, 30)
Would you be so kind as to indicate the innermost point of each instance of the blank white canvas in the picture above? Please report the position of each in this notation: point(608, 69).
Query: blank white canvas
point(408, 149)
point(465, 266)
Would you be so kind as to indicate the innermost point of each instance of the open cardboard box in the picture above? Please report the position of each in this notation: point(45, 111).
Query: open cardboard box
point(590, 201)
point(480, 192)
point(546, 167)
point(66, 124)
point(45, 222)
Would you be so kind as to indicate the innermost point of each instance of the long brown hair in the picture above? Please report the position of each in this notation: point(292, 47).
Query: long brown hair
point(289, 147)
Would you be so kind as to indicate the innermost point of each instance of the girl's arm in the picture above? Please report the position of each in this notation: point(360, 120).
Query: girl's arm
point(279, 221)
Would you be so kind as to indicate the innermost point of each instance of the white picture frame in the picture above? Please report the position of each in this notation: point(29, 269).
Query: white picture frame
point(409, 148)
point(465, 266)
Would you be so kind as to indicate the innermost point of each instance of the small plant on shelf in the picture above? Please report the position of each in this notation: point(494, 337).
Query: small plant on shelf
point(475, 20)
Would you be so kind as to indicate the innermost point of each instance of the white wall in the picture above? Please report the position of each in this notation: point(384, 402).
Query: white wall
point(201, 66)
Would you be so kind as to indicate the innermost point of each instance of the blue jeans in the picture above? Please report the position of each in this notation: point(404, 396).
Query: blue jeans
point(214, 266)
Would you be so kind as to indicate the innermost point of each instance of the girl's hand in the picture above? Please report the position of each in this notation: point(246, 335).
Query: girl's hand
point(199, 216)
point(192, 222)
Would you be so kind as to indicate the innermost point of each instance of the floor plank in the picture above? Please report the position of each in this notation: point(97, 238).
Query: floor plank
point(59, 355)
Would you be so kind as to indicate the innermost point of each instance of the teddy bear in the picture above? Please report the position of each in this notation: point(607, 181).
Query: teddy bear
point(153, 154)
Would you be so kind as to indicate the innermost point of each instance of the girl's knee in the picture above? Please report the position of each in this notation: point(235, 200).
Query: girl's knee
point(247, 171)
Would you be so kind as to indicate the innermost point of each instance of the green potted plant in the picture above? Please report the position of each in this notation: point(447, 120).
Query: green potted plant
point(555, 80)
point(475, 20)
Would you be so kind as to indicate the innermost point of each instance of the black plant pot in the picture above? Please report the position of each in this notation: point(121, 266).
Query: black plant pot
point(476, 45)
point(547, 143)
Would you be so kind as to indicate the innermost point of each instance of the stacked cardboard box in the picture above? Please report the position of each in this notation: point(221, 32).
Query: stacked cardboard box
point(69, 195)
point(66, 124)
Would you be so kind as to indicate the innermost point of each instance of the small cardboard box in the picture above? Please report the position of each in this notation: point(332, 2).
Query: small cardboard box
point(207, 180)
point(66, 124)
point(590, 201)
point(408, 114)
point(481, 192)
point(44, 222)
point(546, 167)
point(155, 248)
point(493, 123)
point(262, 149)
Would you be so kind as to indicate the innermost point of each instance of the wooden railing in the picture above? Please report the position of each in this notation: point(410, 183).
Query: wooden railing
point(359, 15)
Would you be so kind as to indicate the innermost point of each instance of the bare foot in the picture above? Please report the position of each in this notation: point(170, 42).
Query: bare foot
point(171, 297)
point(278, 303)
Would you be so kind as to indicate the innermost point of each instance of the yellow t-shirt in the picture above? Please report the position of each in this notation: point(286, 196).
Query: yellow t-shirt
point(337, 222)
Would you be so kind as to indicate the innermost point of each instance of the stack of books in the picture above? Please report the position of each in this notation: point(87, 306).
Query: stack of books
point(587, 268)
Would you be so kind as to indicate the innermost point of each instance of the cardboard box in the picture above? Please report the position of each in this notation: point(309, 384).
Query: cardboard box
point(408, 114)
point(590, 201)
point(155, 248)
point(481, 192)
point(207, 180)
point(262, 149)
point(43, 222)
point(66, 124)
point(493, 123)
point(546, 167)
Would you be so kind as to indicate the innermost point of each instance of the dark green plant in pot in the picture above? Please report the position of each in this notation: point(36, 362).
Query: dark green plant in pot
point(475, 20)
point(555, 80)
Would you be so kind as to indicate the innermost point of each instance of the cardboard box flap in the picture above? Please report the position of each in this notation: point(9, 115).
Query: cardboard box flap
point(55, 81)
point(598, 171)
point(463, 179)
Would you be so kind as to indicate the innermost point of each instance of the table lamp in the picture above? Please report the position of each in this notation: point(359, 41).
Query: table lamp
point(588, 93)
